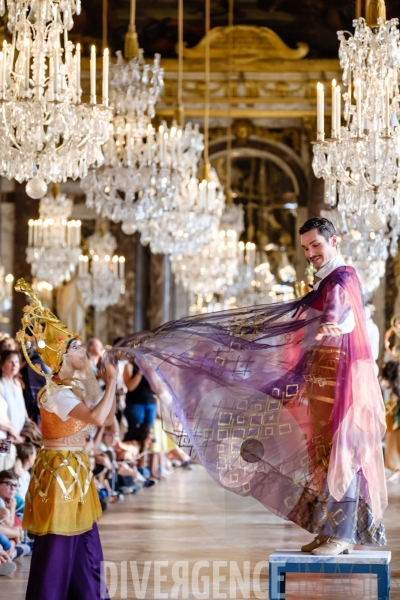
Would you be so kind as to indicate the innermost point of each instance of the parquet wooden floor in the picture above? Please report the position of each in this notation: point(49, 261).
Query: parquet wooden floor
point(187, 518)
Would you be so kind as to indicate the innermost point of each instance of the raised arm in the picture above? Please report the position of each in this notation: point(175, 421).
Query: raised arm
point(103, 412)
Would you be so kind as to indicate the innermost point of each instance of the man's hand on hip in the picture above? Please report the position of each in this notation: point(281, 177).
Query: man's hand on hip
point(332, 329)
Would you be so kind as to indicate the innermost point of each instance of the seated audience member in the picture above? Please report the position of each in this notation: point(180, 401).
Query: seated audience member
point(124, 473)
point(9, 523)
point(26, 455)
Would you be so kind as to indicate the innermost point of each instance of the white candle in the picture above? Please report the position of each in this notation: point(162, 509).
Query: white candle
point(338, 109)
point(211, 188)
point(320, 111)
point(161, 142)
point(27, 62)
point(179, 144)
point(78, 72)
point(51, 79)
point(30, 238)
point(128, 144)
point(334, 113)
point(4, 76)
point(106, 60)
point(79, 233)
point(357, 94)
point(387, 105)
point(1, 75)
point(115, 263)
point(56, 60)
point(165, 153)
point(93, 75)
point(122, 267)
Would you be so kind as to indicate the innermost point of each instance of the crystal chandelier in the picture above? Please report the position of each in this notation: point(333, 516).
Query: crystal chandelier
point(54, 243)
point(183, 222)
point(132, 155)
point(364, 243)
point(101, 274)
point(215, 267)
point(361, 159)
point(187, 220)
point(253, 282)
point(46, 132)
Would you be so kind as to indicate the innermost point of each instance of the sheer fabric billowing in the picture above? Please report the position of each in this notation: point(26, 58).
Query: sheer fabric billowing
point(273, 413)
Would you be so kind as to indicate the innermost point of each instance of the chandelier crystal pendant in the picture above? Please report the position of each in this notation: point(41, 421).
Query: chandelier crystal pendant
point(46, 132)
point(364, 243)
point(101, 273)
point(54, 243)
point(360, 161)
point(215, 267)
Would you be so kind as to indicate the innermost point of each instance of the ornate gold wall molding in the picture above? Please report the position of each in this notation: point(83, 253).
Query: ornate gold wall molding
point(245, 44)
point(243, 129)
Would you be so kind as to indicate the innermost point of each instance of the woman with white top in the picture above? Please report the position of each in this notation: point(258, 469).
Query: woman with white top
point(12, 405)
point(11, 388)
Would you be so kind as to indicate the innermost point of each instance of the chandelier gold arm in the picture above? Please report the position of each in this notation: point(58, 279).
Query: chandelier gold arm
point(179, 109)
point(228, 187)
point(206, 166)
point(374, 10)
point(131, 48)
point(105, 24)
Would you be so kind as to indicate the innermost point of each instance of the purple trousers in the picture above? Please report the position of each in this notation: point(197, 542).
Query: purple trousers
point(66, 567)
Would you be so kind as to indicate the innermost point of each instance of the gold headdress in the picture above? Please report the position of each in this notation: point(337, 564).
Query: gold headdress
point(40, 325)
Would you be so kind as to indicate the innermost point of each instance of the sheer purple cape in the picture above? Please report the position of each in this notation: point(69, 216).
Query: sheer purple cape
point(238, 390)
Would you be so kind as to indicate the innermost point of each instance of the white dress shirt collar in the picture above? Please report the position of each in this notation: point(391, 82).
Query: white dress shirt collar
point(331, 265)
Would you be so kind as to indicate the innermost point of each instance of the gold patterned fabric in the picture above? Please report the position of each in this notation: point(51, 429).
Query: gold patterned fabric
point(53, 427)
point(62, 497)
point(322, 367)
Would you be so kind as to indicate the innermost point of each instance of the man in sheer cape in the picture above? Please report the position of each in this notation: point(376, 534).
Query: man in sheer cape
point(281, 402)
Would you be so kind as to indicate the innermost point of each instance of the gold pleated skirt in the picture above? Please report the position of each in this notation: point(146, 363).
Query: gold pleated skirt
point(62, 496)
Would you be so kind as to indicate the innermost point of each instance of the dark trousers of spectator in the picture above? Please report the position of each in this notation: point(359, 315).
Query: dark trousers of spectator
point(140, 414)
point(67, 567)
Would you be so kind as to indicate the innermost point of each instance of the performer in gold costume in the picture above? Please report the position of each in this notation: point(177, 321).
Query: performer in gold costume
point(62, 505)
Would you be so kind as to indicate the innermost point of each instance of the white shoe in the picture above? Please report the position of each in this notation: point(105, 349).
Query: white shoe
point(7, 568)
point(333, 546)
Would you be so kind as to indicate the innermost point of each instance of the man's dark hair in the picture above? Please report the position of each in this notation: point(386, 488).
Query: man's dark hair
point(6, 474)
point(324, 227)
